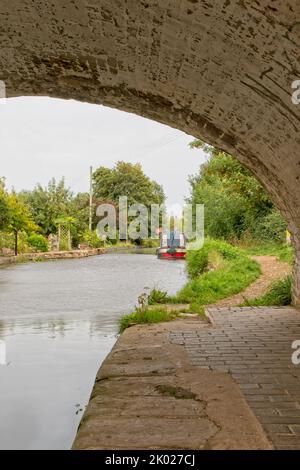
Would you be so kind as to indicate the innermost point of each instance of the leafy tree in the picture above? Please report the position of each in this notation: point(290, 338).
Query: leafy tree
point(236, 204)
point(79, 209)
point(126, 179)
point(20, 218)
point(271, 227)
point(4, 209)
point(55, 204)
point(48, 204)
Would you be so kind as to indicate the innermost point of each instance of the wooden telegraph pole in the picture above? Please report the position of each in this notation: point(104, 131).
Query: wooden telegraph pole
point(91, 199)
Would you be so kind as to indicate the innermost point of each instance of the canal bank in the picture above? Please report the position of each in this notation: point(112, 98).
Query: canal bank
point(51, 255)
point(72, 254)
point(147, 395)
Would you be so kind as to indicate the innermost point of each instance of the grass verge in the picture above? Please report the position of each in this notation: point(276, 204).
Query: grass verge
point(153, 315)
point(209, 283)
point(218, 270)
point(279, 294)
point(283, 252)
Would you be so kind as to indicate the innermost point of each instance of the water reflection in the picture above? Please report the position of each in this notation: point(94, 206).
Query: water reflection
point(59, 320)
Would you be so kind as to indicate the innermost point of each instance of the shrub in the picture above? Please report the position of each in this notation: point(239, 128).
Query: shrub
point(198, 260)
point(92, 239)
point(236, 205)
point(157, 296)
point(271, 227)
point(150, 243)
point(38, 242)
point(286, 253)
point(7, 242)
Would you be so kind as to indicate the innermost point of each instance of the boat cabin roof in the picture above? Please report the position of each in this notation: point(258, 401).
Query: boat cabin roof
point(172, 239)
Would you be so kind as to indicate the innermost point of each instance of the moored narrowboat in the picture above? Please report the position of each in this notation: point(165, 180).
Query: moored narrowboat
point(172, 246)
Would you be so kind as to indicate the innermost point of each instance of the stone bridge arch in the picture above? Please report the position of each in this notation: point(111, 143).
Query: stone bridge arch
point(221, 70)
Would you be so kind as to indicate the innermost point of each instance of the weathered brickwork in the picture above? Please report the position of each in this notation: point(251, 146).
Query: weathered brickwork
point(254, 345)
point(221, 70)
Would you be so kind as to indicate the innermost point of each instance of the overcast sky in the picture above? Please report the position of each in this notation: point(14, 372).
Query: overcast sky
point(42, 137)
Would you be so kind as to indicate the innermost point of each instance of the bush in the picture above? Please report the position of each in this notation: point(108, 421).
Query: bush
point(198, 260)
point(92, 239)
point(232, 196)
point(150, 243)
point(64, 245)
point(271, 227)
point(7, 240)
point(38, 242)
point(157, 296)
point(279, 294)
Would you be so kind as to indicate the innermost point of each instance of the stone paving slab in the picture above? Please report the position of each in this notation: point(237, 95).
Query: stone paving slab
point(254, 345)
point(147, 395)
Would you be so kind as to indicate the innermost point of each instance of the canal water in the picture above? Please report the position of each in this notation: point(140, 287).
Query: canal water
point(58, 321)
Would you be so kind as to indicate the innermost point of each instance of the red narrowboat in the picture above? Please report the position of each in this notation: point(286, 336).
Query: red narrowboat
point(172, 246)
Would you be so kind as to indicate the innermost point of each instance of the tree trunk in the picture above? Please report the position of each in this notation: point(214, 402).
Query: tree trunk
point(16, 242)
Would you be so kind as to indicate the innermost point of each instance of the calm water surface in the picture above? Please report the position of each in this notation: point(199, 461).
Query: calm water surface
point(59, 320)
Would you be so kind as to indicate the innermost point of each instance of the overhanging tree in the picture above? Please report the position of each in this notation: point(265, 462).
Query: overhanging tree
point(236, 204)
point(20, 218)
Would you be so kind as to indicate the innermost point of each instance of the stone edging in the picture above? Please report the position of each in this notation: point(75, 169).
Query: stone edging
point(51, 255)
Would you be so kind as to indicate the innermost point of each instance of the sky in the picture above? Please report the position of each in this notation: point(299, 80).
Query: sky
point(42, 137)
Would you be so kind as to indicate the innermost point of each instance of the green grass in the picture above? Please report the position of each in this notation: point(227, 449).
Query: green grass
point(218, 270)
point(156, 315)
point(199, 309)
point(283, 252)
point(216, 285)
point(232, 276)
point(210, 256)
point(279, 294)
point(157, 296)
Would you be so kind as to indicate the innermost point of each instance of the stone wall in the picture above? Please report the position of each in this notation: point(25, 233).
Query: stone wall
point(221, 70)
point(296, 274)
point(51, 255)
